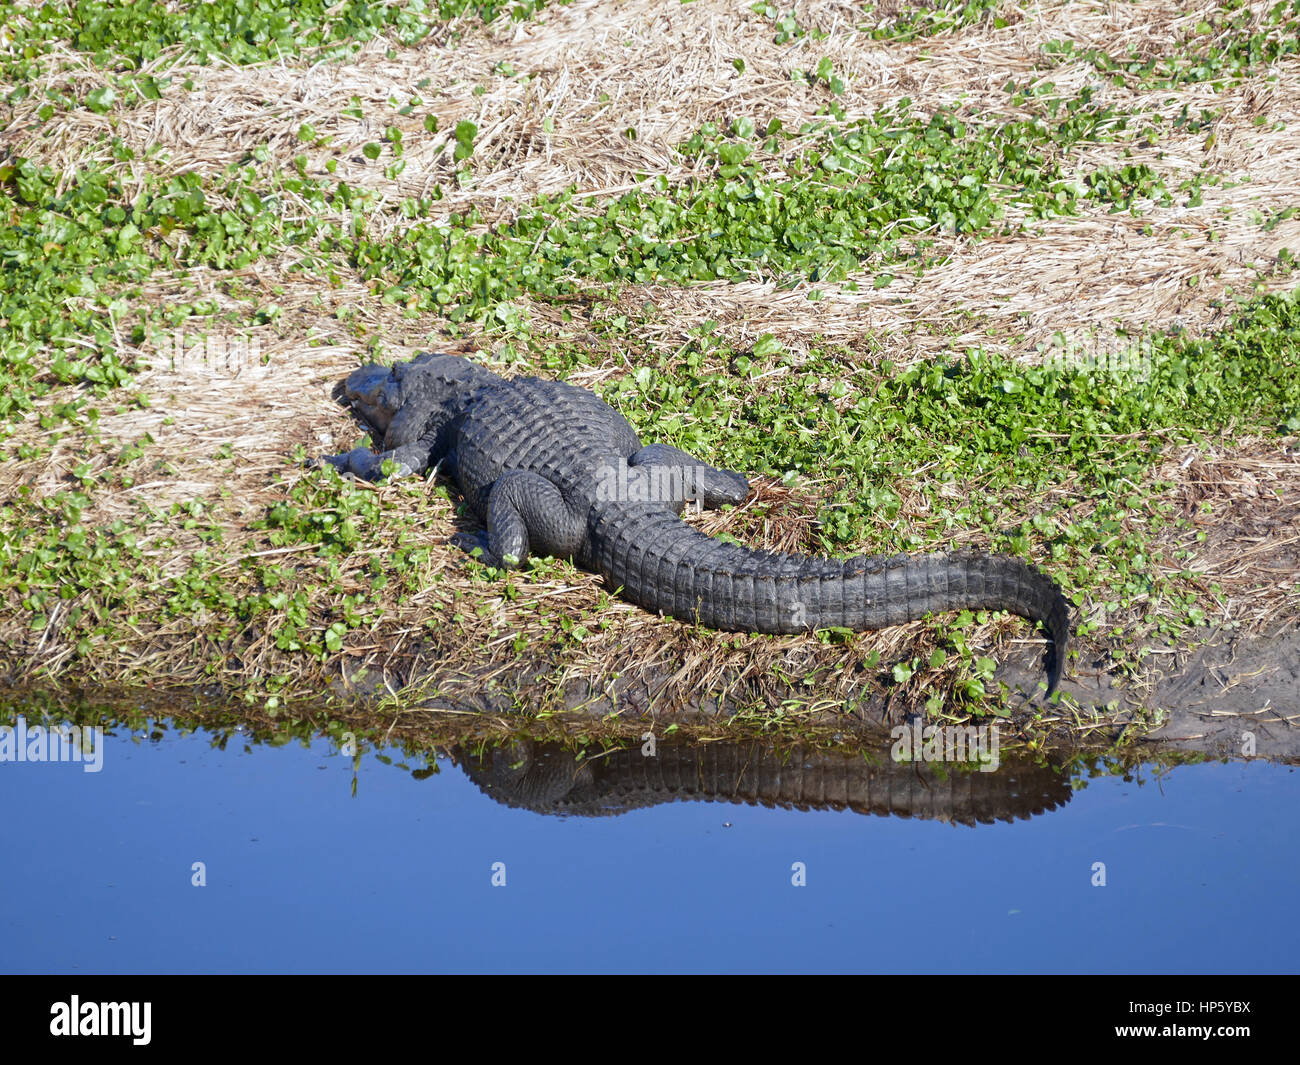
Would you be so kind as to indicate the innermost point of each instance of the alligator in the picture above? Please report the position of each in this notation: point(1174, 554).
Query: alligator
point(547, 778)
point(551, 469)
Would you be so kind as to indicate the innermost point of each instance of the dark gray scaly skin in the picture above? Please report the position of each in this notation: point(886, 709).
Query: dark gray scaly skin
point(554, 470)
point(548, 779)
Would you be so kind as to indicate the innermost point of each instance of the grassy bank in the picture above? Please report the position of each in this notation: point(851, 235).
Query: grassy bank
point(941, 276)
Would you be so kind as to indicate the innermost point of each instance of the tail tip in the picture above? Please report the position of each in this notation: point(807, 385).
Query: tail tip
point(1053, 675)
point(1059, 627)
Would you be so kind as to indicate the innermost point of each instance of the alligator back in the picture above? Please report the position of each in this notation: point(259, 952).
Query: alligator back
point(561, 432)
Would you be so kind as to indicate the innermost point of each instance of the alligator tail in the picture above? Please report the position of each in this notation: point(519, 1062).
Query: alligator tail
point(666, 566)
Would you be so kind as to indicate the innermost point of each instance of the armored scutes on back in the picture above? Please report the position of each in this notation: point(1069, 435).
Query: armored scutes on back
point(552, 469)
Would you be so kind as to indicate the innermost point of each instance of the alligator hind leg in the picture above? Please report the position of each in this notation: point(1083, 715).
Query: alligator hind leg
point(527, 513)
point(689, 478)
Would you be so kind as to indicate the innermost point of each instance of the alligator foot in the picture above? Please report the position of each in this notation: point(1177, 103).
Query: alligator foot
point(469, 542)
point(363, 463)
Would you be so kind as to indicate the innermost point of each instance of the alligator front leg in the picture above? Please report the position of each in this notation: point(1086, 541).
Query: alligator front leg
point(682, 477)
point(368, 465)
point(525, 512)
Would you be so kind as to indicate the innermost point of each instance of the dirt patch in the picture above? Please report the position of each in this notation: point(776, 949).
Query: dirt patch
point(1239, 696)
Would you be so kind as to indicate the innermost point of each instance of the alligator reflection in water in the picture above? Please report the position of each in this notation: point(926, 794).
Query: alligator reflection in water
point(551, 779)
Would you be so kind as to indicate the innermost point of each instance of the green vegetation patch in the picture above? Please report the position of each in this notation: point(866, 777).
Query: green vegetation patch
point(872, 191)
point(979, 418)
point(76, 253)
point(1229, 44)
point(100, 584)
point(70, 255)
point(930, 20)
point(854, 192)
point(127, 35)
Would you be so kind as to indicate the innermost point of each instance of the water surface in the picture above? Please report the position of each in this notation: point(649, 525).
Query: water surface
point(315, 863)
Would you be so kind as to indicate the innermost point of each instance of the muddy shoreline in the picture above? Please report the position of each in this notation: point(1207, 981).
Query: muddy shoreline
point(1231, 696)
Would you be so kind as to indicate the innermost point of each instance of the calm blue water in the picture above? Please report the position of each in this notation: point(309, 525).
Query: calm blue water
point(303, 876)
